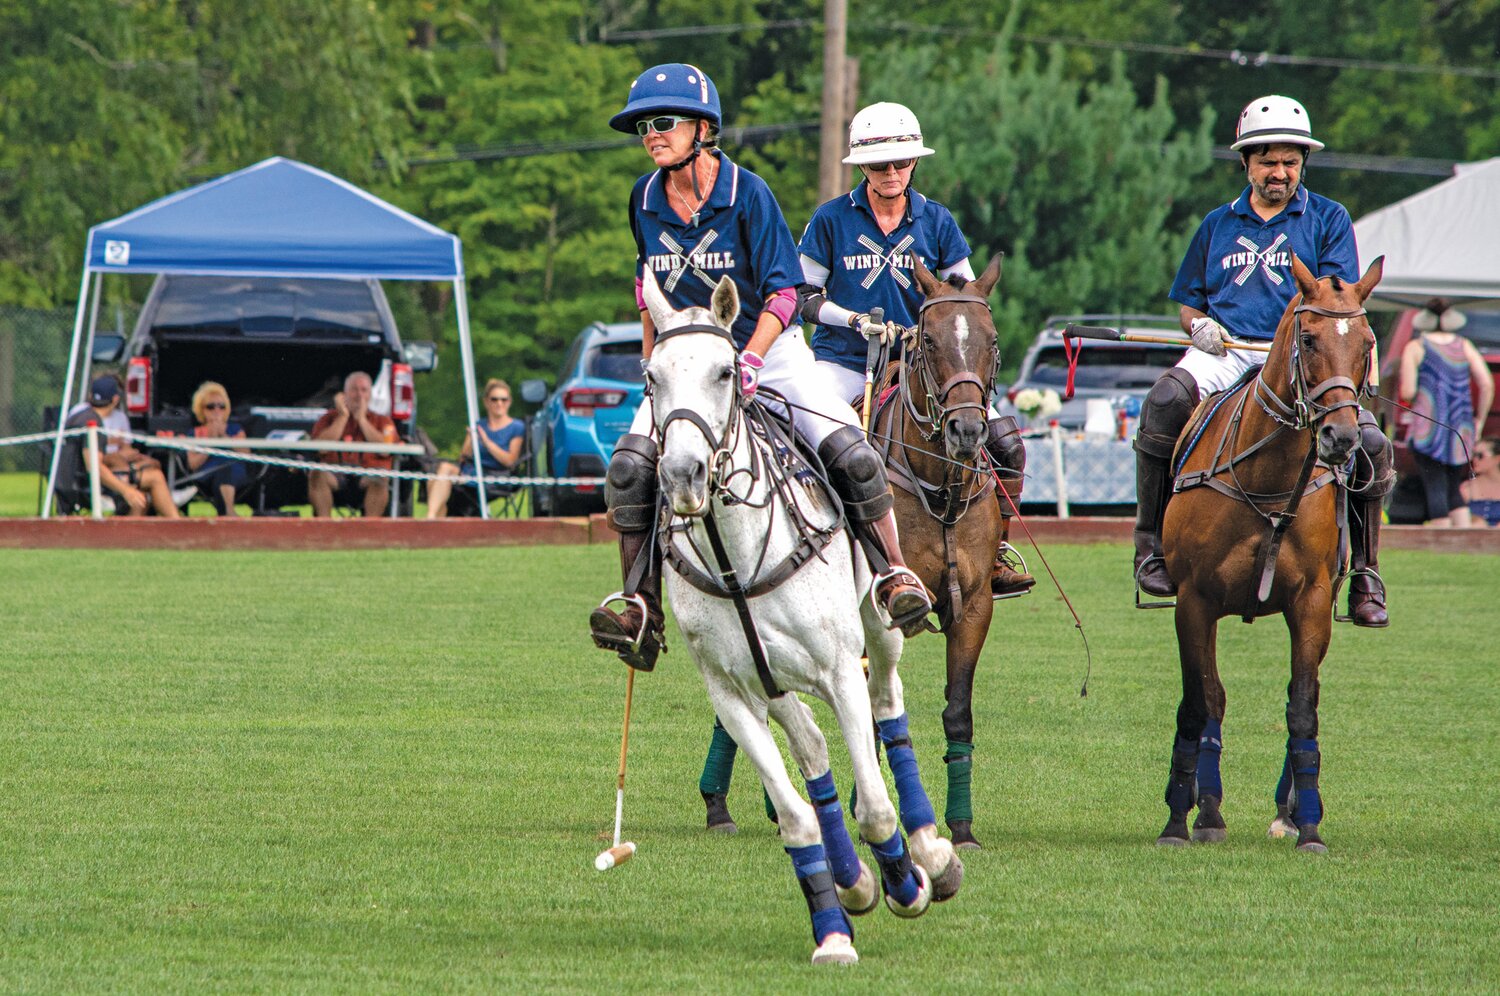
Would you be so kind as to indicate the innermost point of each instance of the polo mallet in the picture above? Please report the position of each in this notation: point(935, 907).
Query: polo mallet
point(620, 853)
point(1115, 335)
point(872, 356)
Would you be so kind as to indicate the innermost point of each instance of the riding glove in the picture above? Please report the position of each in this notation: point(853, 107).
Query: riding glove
point(750, 367)
point(1209, 336)
point(869, 328)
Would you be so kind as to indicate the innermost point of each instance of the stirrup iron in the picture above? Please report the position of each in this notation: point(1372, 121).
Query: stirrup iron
point(634, 645)
point(1150, 605)
point(1011, 557)
point(1338, 585)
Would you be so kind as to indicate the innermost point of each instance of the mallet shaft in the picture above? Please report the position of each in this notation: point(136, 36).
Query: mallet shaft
point(624, 743)
point(872, 354)
point(1115, 335)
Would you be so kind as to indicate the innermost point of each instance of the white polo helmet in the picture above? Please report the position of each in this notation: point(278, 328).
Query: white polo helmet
point(1274, 120)
point(883, 133)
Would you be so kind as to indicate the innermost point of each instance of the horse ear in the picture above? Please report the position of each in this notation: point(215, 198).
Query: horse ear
point(990, 277)
point(656, 302)
point(1306, 282)
point(925, 280)
point(726, 302)
point(1371, 278)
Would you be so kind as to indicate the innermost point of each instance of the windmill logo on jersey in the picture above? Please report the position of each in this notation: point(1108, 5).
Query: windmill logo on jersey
point(878, 261)
point(1255, 257)
point(678, 261)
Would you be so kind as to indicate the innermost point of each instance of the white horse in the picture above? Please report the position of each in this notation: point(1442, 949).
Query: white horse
point(812, 627)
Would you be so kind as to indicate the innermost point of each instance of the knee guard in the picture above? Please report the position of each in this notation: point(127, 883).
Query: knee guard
point(1167, 408)
point(630, 487)
point(1373, 477)
point(857, 474)
point(1007, 452)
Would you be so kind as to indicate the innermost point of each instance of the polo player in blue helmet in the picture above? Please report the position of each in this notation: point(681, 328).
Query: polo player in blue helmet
point(1236, 280)
point(697, 217)
point(857, 255)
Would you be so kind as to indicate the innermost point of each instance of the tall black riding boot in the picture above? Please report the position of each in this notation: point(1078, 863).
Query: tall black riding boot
point(1008, 576)
point(1366, 590)
point(1152, 481)
point(638, 638)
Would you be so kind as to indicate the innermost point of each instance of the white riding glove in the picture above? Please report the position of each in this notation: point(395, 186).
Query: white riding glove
point(1209, 336)
point(870, 328)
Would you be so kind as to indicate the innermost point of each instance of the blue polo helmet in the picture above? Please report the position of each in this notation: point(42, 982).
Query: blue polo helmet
point(672, 88)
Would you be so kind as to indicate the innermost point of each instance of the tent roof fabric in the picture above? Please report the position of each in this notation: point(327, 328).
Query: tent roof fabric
point(277, 218)
point(1440, 242)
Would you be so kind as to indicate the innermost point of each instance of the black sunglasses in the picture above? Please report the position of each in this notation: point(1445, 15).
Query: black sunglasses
point(665, 123)
point(215, 406)
point(896, 164)
point(499, 397)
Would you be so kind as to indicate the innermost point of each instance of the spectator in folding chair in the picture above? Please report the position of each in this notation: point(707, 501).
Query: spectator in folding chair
point(351, 420)
point(136, 478)
point(220, 478)
point(502, 438)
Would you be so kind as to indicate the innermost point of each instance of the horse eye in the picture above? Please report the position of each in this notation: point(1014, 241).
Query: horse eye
point(1308, 341)
point(725, 373)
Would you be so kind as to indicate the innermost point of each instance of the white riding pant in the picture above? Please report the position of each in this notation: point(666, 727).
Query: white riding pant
point(791, 370)
point(851, 383)
point(1217, 373)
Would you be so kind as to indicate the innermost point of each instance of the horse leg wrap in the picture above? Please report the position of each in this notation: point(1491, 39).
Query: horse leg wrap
point(1284, 785)
point(1210, 746)
point(1304, 760)
point(836, 842)
point(718, 767)
point(1182, 787)
point(895, 869)
point(828, 917)
point(960, 764)
point(916, 808)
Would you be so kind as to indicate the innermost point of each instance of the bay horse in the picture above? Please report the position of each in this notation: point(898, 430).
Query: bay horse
point(1253, 529)
point(933, 432)
point(773, 599)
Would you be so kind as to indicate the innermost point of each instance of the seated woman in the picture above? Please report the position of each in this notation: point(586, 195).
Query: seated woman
point(1483, 492)
point(502, 437)
point(225, 477)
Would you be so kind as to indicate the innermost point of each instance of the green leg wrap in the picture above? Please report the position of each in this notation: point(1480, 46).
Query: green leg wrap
point(960, 764)
point(770, 809)
point(719, 766)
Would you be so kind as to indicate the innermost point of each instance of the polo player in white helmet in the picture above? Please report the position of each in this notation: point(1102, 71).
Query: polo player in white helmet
point(857, 256)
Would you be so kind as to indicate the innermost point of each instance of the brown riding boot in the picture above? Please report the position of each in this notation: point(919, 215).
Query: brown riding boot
point(638, 638)
point(901, 593)
point(1006, 580)
point(1366, 590)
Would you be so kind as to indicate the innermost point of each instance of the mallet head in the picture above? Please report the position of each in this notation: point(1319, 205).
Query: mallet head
point(617, 855)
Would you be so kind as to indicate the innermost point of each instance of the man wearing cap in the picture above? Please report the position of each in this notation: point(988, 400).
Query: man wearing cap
point(856, 256)
point(1235, 283)
point(123, 469)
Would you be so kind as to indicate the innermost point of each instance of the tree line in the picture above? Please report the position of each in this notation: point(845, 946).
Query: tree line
point(1076, 138)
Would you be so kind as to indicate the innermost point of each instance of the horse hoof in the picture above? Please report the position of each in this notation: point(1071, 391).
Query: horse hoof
point(1210, 835)
point(719, 820)
point(861, 897)
point(1280, 828)
point(1167, 840)
point(918, 905)
point(836, 949)
point(1308, 840)
point(963, 835)
point(945, 885)
point(1209, 827)
point(1175, 833)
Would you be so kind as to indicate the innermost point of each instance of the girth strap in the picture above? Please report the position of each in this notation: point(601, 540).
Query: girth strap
point(731, 583)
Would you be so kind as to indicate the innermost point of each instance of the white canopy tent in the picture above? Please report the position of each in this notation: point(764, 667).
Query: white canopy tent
point(277, 218)
point(1441, 242)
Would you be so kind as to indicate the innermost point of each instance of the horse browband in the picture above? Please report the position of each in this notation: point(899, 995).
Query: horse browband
point(664, 334)
point(954, 299)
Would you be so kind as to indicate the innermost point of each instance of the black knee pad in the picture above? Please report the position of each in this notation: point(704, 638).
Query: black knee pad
point(630, 484)
point(1168, 406)
point(1007, 452)
point(1373, 473)
point(857, 474)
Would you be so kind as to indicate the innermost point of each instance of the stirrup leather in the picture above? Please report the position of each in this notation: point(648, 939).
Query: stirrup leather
point(1338, 585)
point(1010, 557)
point(611, 641)
point(1150, 605)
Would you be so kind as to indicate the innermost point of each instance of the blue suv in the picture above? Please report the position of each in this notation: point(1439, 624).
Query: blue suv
point(598, 390)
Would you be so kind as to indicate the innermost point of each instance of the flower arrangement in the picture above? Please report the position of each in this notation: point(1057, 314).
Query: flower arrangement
point(1038, 404)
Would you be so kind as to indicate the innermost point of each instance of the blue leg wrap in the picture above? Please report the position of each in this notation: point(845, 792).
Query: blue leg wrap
point(840, 849)
point(1182, 786)
point(1304, 760)
point(1284, 786)
point(1210, 746)
point(895, 869)
point(813, 874)
point(916, 808)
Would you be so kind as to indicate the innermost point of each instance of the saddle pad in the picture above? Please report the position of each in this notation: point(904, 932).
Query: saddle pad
point(1188, 438)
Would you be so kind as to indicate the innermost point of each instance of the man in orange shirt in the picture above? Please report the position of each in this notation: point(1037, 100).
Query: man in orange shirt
point(351, 420)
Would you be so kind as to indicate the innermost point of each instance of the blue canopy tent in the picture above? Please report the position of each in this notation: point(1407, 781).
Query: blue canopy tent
point(277, 218)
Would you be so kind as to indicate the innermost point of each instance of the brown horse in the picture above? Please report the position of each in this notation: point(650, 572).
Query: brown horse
point(933, 433)
point(1254, 529)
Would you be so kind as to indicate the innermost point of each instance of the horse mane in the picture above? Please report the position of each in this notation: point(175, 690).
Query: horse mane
point(956, 281)
point(1336, 284)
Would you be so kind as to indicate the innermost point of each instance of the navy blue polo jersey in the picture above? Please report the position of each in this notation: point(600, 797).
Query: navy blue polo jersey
point(869, 269)
point(1238, 268)
point(740, 232)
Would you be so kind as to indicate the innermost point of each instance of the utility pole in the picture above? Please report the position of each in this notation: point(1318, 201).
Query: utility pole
point(835, 99)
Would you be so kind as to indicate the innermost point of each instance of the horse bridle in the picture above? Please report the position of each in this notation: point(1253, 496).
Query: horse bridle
point(1305, 411)
point(723, 445)
point(937, 407)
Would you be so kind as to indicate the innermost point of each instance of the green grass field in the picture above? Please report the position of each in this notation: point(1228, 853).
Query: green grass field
point(391, 771)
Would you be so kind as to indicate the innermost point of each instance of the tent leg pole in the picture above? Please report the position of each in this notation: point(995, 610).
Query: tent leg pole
point(62, 411)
